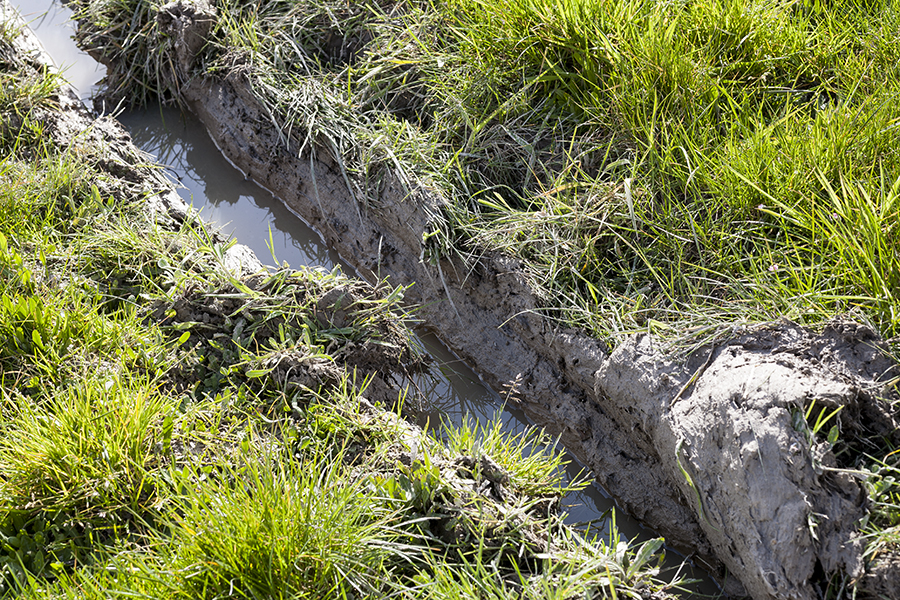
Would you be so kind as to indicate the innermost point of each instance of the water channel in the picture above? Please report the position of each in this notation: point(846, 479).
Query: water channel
point(257, 219)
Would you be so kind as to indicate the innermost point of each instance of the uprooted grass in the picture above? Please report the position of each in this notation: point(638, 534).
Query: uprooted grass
point(170, 430)
point(657, 164)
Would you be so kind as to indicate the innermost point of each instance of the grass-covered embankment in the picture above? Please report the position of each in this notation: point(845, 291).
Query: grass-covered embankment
point(172, 430)
point(655, 164)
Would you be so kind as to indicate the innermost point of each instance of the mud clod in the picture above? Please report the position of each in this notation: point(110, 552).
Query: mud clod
point(184, 27)
point(767, 497)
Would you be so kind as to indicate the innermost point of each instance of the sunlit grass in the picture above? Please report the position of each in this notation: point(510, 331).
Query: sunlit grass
point(646, 159)
point(168, 430)
point(681, 168)
point(705, 113)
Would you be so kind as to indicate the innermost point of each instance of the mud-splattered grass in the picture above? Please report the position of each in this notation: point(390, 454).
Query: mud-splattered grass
point(657, 165)
point(172, 430)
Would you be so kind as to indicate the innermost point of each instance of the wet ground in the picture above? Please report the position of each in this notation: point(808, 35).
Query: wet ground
point(262, 222)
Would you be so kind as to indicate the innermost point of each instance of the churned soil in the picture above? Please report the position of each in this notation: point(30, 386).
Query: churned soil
point(705, 448)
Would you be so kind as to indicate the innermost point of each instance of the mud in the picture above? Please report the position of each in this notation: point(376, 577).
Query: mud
point(881, 579)
point(706, 450)
point(768, 496)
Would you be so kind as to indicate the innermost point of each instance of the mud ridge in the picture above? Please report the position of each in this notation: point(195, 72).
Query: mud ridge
point(707, 451)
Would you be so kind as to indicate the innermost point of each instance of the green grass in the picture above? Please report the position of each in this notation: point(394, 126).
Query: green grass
point(681, 168)
point(280, 529)
point(170, 431)
point(728, 159)
point(522, 456)
point(665, 165)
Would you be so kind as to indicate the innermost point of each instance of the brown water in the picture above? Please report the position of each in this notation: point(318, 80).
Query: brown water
point(254, 217)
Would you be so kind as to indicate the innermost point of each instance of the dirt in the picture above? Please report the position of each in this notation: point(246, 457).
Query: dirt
point(881, 579)
point(707, 449)
point(773, 506)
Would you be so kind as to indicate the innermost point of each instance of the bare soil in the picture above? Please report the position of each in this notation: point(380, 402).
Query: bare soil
point(707, 449)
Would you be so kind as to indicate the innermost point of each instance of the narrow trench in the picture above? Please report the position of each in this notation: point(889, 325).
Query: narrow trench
point(248, 213)
point(255, 218)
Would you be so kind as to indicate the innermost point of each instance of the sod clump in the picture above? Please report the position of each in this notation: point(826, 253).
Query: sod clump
point(174, 425)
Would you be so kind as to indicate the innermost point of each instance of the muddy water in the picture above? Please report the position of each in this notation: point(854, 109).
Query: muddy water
point(255, 218)
point(50, 19)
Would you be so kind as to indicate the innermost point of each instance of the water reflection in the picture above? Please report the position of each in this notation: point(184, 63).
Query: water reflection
point(52, 20)
point(221, 192)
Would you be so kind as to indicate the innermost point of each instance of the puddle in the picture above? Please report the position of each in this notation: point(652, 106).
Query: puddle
point(220, 192)
point(255, 218)
point(51, 19)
